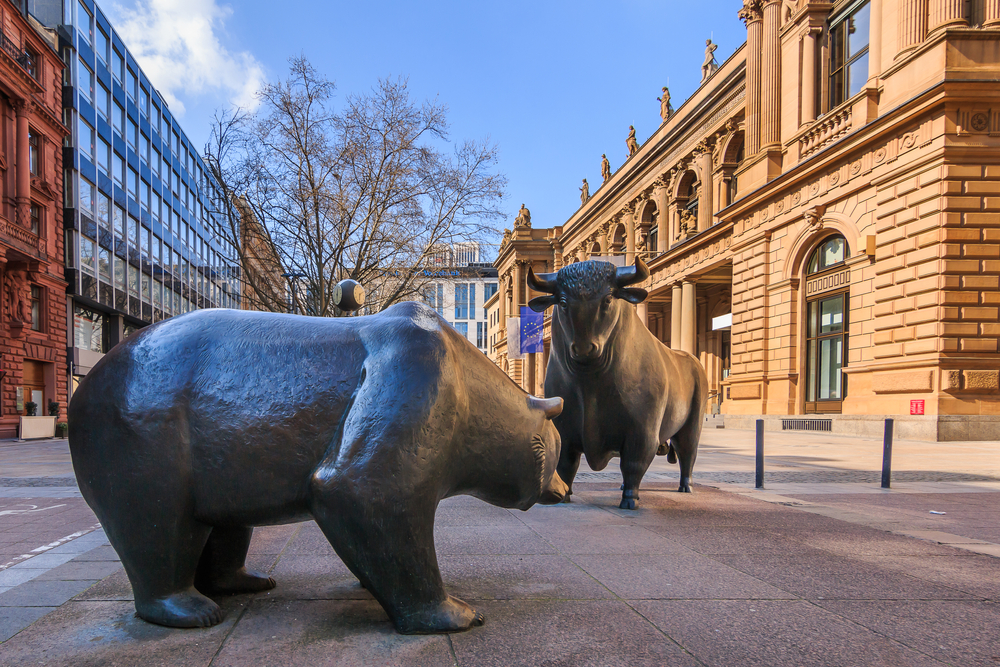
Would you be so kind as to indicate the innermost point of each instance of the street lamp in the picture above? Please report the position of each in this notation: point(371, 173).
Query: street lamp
point(294, 279)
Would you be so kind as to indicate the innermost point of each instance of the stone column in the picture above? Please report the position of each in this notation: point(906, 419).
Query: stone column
point(642, 310)
point(663, 238)
point(631, 224)
point(991, 15)
point(705, 206)
point(689, 317)
point(945, 13)
point(675, 316)
point(809, 74)
point(23, 178)
point(875, 40)
point(912, 25)
point(754, 21)
point(503, 303)
point(770, 77)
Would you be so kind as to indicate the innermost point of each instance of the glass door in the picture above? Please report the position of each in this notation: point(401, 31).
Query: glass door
point(826, 347)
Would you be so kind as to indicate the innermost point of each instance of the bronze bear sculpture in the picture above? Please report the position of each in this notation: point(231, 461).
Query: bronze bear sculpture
point(198, 428)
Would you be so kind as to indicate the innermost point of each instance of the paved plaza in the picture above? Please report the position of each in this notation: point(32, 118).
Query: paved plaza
point(822, 567)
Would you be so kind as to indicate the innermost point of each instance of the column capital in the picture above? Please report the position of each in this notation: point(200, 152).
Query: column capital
point(22, 107)
point(750, 12)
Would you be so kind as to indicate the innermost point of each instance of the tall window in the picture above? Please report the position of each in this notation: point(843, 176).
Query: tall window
point(86, 81)
point(36, 308)
point(481, 335)
point(36, 218)
point(849, 53)
point(88, 329)
point(826, 327)
point(85, 22)
point(117, 64)
point(463, 328)
point(434, 297)
point(462, 301)
point(33, 154)
point(101, 47)
point(489, 289)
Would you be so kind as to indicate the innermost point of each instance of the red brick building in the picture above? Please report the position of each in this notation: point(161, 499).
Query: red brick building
point(33, 313)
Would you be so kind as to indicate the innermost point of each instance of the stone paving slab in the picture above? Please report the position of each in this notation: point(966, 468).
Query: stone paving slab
point(807, 589)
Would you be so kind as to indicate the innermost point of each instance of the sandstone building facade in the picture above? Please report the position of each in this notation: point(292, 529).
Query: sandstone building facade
point(33, 320)
point(821, 219)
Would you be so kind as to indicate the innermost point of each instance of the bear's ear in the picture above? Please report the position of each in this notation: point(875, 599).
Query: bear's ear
point(540, 303)
point(632, 294)
point(552, 407)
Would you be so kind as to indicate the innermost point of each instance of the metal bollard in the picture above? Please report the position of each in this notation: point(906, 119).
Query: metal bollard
point(887, 454)
point(759, 477)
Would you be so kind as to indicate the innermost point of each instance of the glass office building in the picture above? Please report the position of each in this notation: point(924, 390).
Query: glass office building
point(142, 243)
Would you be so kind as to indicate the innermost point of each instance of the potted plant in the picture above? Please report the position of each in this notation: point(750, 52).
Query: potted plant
point(33, 426)
point(62, 430)
point(53, 408)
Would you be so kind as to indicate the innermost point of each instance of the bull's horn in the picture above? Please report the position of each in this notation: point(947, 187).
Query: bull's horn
point(542, 282)
point(550, 406)
point(628, 275)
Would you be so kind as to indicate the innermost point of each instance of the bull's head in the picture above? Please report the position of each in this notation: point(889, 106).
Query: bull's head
point(587, 297)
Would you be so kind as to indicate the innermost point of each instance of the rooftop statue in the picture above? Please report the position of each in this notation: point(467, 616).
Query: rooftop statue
point(605, 167)
point(626, 393)
point(198, 428)
point(633, 145)
point(523, 218)
point(584, 192)
point(665, 108)
point(710, 66)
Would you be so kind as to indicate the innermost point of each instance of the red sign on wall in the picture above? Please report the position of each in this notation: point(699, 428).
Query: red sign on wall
point(917, 406)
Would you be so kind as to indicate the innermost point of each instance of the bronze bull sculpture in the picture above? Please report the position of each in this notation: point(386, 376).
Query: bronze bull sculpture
point(626, 393)
point(196, 429)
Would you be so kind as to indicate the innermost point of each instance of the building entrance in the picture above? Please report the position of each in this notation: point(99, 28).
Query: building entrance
point(826, 327)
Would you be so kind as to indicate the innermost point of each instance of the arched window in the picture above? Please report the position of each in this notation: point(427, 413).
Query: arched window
point(827, 282)
point(830, 253)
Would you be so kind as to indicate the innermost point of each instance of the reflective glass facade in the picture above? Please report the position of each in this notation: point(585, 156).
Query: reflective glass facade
point(142, 241)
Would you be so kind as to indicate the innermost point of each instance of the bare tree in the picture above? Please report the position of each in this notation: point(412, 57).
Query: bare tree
point(368, 191)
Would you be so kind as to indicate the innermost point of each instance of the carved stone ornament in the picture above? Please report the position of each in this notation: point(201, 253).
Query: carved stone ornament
point(751, 11)
point(814, 217)
point(505, 240)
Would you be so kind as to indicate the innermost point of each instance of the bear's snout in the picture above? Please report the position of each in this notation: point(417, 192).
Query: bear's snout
point(554, 491)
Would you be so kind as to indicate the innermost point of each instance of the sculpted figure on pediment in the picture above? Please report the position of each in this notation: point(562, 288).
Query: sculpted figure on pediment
point(665, 108)
point(630, 141)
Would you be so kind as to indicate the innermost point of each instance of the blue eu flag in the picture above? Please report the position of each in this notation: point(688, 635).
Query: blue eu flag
point(531, 330)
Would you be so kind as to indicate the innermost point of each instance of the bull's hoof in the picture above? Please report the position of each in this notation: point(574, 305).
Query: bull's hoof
point(189, 609)
point(452, 615)
point(628, 504)
point(568, 498)
point(684, 488)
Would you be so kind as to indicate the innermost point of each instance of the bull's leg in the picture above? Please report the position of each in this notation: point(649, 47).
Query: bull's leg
point(569, 463)
point(635, 460)
point(685, 443)
point(387, 541)
point(222, 568)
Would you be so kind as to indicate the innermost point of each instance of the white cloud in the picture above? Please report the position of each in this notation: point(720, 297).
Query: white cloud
point(176, 42)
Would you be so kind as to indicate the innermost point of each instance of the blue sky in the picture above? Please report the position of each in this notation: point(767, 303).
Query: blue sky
point(554, 84)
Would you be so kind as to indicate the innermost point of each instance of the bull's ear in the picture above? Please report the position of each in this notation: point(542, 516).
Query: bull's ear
point(632, 294)
point(540, 303)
